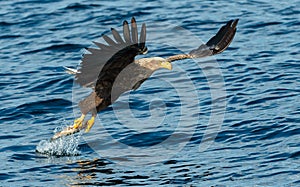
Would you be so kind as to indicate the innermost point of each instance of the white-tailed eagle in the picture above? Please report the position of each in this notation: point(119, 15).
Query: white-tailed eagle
point(111, 69)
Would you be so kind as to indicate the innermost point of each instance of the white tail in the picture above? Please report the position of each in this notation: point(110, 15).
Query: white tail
point(71, 71)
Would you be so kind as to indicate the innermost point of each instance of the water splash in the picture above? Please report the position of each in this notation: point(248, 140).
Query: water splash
point(64, 146)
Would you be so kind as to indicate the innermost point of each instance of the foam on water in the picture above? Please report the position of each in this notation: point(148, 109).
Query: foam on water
point(64, 146)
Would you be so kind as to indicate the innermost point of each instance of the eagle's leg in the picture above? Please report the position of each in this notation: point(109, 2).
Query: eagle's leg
point(91, 122)
point(78, 122)
point(88, 105)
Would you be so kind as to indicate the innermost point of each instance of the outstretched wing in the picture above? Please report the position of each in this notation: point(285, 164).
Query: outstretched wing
point(108, 59)
point(215, 45)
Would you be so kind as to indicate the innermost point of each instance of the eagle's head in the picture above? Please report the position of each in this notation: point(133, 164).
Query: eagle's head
point(155, 63)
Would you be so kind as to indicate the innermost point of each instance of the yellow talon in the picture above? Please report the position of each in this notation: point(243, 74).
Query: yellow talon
point(89, 124)
point(78, 122)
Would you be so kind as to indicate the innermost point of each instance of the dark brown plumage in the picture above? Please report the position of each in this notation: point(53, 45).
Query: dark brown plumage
point(215, 45)
point(111, 69)
point(113, 57)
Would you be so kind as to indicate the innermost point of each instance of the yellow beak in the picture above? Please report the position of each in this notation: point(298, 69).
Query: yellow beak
point(166, 65)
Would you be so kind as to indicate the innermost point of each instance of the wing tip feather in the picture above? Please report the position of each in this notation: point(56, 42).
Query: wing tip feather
point(133, 19)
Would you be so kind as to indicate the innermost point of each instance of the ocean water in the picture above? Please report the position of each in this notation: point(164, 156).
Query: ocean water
point(228, 120)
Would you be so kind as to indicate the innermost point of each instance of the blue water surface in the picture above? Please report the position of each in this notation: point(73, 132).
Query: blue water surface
point(257, 143)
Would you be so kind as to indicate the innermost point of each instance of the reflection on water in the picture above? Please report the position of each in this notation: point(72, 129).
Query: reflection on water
point(88, 170)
